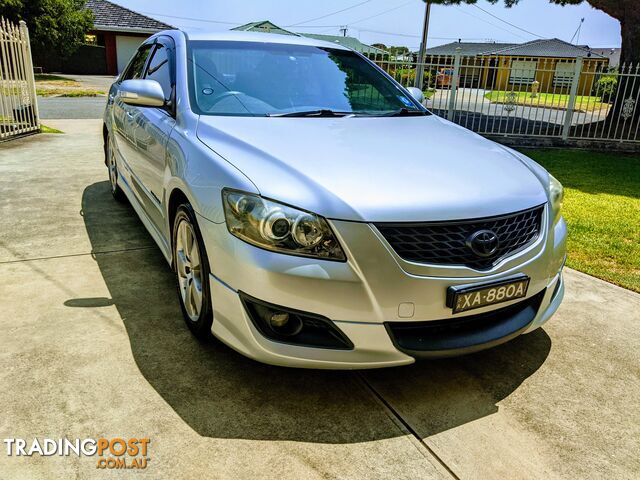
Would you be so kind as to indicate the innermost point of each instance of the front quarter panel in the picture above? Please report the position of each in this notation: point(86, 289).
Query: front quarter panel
point(201, 174)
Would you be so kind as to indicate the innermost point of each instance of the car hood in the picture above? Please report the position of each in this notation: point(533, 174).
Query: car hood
point(375, 169)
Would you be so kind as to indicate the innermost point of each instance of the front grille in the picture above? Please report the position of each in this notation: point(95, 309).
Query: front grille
point(445, 243)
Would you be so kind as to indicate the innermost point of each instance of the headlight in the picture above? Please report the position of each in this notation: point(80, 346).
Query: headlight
point(280, 228)
point(556, 196)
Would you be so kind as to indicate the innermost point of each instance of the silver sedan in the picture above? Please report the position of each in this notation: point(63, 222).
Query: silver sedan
point(317, 215)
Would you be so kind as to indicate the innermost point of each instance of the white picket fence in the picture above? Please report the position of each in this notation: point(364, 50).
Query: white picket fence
point(570, 99)
point(18, 100)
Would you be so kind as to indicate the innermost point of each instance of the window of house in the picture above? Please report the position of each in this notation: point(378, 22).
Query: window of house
point(523, 71)
point(563, 76)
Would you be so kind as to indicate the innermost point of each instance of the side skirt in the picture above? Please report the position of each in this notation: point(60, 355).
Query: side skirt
point(165, 247)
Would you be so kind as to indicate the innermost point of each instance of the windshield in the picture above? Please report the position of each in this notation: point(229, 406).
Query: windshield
point(262, 79)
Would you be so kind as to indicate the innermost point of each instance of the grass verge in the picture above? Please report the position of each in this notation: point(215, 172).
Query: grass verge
point(602, 209)
point(45, 77)
point(45, 129)
point(547, 100)
point(68, 92)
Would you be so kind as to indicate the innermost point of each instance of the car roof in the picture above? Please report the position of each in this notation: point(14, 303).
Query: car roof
point(258, 37)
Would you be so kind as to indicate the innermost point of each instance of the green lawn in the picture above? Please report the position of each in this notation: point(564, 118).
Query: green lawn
point(548, 100)
point(602, 209)
point(46, 77)
point(67, 92)
point(45, 129)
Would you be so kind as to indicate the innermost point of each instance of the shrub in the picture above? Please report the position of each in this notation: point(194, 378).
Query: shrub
point(606, 85)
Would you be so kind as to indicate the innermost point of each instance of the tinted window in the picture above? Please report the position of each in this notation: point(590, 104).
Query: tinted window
point(247, 78)
point(136, 67)
point(160, 70)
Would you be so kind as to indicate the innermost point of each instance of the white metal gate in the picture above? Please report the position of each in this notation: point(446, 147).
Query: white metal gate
point(18, 100)
point(579, 98)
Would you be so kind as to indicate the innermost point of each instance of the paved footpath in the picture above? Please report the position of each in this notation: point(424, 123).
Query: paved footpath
point(93, 344)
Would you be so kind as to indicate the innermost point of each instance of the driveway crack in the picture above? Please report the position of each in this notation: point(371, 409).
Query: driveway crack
point(406, 428)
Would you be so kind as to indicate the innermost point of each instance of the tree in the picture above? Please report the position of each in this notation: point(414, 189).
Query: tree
point(400, 50)
point(55, 26)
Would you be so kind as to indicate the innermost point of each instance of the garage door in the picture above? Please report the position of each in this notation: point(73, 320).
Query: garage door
point(125, 48)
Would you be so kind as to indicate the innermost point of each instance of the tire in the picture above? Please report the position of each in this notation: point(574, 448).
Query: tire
point(112, 166)
point(192, 273)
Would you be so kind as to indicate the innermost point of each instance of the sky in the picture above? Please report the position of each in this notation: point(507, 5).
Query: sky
point(395, 22)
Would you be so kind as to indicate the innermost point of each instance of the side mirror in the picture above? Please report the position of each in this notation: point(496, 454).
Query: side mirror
point(417, 94)
point(145, 93)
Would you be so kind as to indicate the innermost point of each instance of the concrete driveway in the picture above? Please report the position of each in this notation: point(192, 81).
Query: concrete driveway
point(93, 344)
point(473, 100)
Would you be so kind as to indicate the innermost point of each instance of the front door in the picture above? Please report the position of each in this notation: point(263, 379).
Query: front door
point(125, 117)
point(144, 131)
point(154, 124)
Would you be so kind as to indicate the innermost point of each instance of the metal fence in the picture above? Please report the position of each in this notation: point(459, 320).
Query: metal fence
point(18, 101)
point(582, 98)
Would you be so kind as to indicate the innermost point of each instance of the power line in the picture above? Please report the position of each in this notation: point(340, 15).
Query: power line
point(508, 23)
point(360, 20)
point(319, 26)
point(382, 13)
point(415, 36)
point(490, 23)
point(191, 18)
point(329, 14)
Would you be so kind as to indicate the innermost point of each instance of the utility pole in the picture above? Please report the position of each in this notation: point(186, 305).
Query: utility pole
point(423, 46)
point(344, 29)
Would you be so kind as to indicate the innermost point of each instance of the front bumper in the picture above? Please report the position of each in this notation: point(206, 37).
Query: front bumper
point(362, 296)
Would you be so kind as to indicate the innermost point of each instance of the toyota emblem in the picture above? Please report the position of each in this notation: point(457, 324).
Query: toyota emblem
point(483, 243)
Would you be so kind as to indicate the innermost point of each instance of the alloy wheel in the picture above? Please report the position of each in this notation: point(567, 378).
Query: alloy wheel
point(113, 168)
point(189, 269)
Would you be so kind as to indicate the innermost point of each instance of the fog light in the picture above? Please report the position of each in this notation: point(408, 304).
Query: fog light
point(294, 327)
point(284, 324)
point(278, 320)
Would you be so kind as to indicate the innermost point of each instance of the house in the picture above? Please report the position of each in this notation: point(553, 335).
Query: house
point(120, 31)
point(266, 26)
point(550, 64)
point(349, 42)
point(613, 54)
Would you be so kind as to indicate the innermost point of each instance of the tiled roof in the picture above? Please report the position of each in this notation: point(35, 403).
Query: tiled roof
point(467, 48)
point(112, 17)
point(552, 47)
point(613, 54)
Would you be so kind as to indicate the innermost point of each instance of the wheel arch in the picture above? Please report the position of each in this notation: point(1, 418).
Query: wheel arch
point(176, 197)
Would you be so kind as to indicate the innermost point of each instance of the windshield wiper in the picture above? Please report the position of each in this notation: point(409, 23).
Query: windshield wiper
point(311, 113)
point(405, 112)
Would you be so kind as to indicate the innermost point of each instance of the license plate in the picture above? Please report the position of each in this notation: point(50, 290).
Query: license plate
point(464, 298)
